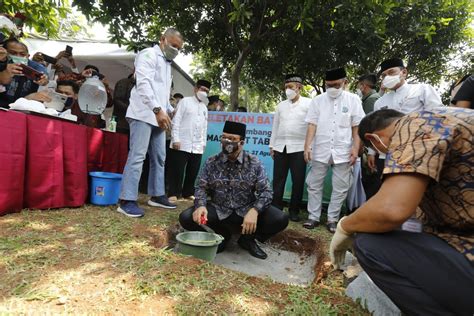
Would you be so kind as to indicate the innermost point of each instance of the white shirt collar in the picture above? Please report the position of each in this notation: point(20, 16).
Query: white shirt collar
point(402, 87)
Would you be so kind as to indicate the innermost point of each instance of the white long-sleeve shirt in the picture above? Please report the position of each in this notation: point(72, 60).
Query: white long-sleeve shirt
point(410, 98)
point(289, 126)
point(334, 119)
point(153, 85)
point(189, 125)
point(407, 99)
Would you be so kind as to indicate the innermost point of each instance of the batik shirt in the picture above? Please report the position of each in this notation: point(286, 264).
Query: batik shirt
point(233, 186)
point(439, 144)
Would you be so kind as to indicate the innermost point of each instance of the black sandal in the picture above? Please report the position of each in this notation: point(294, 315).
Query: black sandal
point(310, 224)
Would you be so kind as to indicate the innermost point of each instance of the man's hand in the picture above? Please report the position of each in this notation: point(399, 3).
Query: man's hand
point(71, 60)
point(354, 155)
point(42, 96)
point(14, 69)
point(249, 226)
point(308, 153)
point(3, 54)
point(340, 243)
point(371, 163)
point(163, 120)
point(272, 153)
point(58, 67)
point(62, 54)
point(198, 213)
point(177, 146)
point(87, 73)
point(42, 81)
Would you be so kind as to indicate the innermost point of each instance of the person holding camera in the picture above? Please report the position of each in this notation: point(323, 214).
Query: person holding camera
point(7, 71)
point(23, 84)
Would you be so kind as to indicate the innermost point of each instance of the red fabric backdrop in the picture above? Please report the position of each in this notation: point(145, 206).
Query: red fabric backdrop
point(44, 163)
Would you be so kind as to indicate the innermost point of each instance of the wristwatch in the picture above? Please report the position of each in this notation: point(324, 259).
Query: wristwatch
point(157, 110)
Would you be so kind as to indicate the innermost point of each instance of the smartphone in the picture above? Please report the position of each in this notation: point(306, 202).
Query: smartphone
point(69, 49)
point(49, 59)
point(31, 73)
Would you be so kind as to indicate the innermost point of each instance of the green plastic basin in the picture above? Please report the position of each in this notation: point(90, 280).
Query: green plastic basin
point(200, 245)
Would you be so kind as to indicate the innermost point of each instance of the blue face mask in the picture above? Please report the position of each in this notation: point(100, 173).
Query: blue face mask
point(19, 60)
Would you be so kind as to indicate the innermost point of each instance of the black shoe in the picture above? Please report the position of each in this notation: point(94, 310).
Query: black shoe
point(310, 224)
point(249, 244)
point(331, 227)
point(221, 246)
point(161, 201)
point(294, 216)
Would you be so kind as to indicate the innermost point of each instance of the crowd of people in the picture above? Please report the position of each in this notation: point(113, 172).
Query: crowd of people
point(421, 212)
point(414, 236)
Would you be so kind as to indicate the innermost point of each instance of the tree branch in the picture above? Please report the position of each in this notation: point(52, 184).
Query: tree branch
point(230, 27)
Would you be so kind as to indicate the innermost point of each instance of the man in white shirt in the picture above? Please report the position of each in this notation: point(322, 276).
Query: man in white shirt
point(331, 141)
point(403, 97)
point(287, 145)
point(148, 120)
point(188, 141)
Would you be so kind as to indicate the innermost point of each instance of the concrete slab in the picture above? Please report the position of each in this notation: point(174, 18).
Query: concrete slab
point(364, 290)
point(281, 265)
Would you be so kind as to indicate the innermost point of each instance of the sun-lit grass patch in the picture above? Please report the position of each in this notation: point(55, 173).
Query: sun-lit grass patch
point(93, 260)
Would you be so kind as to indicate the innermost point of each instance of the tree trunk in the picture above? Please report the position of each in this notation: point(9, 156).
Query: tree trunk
point(235, 78)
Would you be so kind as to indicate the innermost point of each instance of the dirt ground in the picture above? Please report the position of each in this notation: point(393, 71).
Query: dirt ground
point(93, 260)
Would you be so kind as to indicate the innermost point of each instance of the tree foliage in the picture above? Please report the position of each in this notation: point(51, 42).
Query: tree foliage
point(41, 15)
point(252, 43)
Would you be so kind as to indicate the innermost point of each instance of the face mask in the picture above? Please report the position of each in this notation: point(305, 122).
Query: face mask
point(229, 147)
point(359, 93)
point(69, 102)
point(202, 96)
point(290, 94)
point(390, 82)
point(381, 142)
point(169, 51)
point(19, 60)
point(333, 92)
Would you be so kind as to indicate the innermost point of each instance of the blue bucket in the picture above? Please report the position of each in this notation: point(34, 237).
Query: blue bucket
point(105, 187)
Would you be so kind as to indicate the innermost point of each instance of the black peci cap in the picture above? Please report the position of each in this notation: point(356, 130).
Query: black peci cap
point(335, 74)
point(390, 63)
point(235, 128)
point(203, 83)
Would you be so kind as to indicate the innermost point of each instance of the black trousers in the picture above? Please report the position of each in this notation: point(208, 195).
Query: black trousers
point(284, 162)
point(372, 181)
point(181, 164)
point(421, 273)
point(270, 222)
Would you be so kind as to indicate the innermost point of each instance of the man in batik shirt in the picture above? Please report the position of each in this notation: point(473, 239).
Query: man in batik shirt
point(425, 269)
point(233, 192)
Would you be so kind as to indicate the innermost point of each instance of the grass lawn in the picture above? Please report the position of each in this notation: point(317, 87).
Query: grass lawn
point(93, 260)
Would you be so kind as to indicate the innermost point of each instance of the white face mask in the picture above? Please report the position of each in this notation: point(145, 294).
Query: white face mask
point(290, 94)
point(359, 93)
point(202, 96)
point(169, 51)
point(381, 142)
point(333, 92)
point(390, 82)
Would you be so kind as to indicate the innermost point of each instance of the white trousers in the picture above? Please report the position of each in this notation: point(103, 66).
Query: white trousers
point(341, 182)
